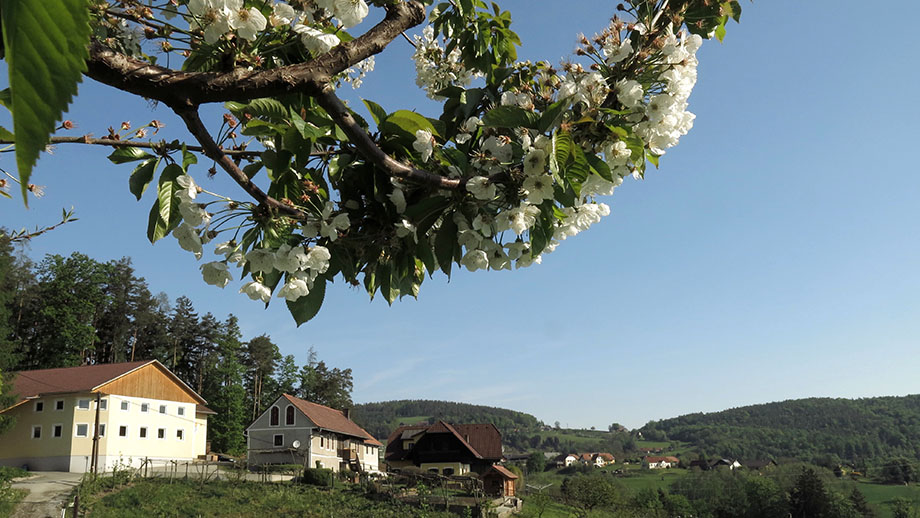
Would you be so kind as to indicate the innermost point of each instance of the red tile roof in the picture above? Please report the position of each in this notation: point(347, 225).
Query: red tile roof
point(665, 459)
point(36, 383)
point(331, 419)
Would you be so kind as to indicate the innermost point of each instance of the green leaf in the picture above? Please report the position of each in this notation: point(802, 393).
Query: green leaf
point(562, 148)
point(599, 167)
point(45, 44)
point(426, 212)
point(187, 158)
point(123, 155)
point(552, 114)
point(510, 117)
point(142, 176)
point(306, 307)
point(377, 111)
point(6, 134)
point(408, 122)
point(6, 98)
point(164, 216)
point(445, 244)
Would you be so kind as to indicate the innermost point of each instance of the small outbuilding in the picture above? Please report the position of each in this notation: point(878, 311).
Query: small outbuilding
point(498, 481)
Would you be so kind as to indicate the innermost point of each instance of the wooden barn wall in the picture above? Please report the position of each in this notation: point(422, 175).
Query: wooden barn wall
point(148, 382)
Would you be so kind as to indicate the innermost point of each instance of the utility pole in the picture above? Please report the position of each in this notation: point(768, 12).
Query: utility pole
point(94, 465)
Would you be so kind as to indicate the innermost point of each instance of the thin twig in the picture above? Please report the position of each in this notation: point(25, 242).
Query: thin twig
point(367, 147)
point(86, 139)
point(214, 152)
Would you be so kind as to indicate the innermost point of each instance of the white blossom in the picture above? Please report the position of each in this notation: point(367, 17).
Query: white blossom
point(188, 239)
point(615, 53)
point(216, 273)
point(475, 260)
point(424, 144)
point(316, 41)
point(261, 260)
point(539, 188)
point(318, 259)
point(282, 14)
point(480, 188)
point(535, 162)
point(255, 290)
point(350, 12)
point(629, 93)
point(294, 288)
point(213, 16)
point(248, 22)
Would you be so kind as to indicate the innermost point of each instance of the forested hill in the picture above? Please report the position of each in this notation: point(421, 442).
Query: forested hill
point(818, 429)
point(382, 418)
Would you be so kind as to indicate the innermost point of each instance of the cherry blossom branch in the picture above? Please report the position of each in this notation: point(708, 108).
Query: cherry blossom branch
point(185, 89)
point(214, 152)
point(86, 139)
point(366, 145)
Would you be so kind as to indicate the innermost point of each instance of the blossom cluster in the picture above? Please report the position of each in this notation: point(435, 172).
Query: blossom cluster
point(301, 264)
point(653, 111)
point(218, 18)
point(437, 69)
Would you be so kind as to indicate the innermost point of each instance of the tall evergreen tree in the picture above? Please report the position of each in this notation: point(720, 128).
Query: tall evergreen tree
point(260, 357)
point(809, 498)
point(225, 392)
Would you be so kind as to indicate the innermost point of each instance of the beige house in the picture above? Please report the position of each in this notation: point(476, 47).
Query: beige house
point(294, 431)
point(144, 412)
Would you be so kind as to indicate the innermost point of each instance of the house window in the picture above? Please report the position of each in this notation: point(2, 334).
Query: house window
point(162, 409)
point(448, 472)
point(161, 433)
point(181, 410)
point(103, 404)
point(145, 407)
point(59, 404)
point(279, 439)
point(101, 429)
point(143, 432)
point(39, 406)
point(122, 431)
point(83, 404)
point(180, 434)
point(432, 470)
point(125, 405)
point(322, 441)
point(275, 417)
point(57, 430)
point(289, 415)
point(82, 430)
point(37, 431)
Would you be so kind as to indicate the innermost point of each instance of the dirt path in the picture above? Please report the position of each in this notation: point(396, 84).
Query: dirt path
point(48, 492)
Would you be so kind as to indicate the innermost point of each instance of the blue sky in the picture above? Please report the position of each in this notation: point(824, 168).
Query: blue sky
point(773, 256)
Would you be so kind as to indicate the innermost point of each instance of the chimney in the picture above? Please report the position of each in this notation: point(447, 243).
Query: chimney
point(347, 412)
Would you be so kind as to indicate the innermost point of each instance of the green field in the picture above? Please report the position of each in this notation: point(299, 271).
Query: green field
point(180, 499)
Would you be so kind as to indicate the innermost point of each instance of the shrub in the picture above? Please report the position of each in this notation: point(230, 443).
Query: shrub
point(318, 477)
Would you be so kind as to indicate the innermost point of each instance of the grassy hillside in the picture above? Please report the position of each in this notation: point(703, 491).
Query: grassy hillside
point(868, 432)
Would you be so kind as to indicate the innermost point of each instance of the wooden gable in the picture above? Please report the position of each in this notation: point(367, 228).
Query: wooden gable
point(151, 381)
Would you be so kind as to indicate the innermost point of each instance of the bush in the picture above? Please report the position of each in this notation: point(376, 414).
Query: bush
point(318, 477)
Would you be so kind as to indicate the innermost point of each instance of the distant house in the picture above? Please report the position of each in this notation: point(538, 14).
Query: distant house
point(295, 431)
point(661, 462)
point(603, 459)
point(725, 463)
point(444, 448)
point(565, 460)
point(144, 412)
point(650, 450)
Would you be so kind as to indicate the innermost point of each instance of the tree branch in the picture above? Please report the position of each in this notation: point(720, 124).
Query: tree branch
point(86, 139)
point(366, 145)
point(214, 152)
point(184, 89)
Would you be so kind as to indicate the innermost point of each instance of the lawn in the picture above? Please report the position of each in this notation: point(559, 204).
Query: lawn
point(164, 498)
point(10, 497)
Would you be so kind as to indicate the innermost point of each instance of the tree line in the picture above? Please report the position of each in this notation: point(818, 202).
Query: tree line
point(76, 310)
point(827, 431)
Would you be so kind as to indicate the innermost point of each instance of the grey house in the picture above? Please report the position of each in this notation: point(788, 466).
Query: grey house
point(294, 431)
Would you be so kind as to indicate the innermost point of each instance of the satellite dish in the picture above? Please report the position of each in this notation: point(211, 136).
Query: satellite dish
point(296, 444)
